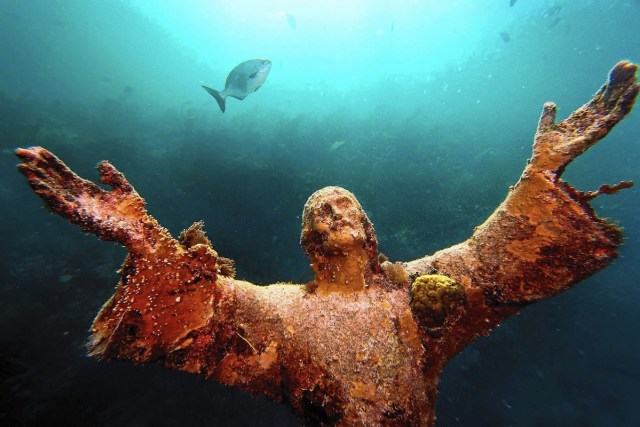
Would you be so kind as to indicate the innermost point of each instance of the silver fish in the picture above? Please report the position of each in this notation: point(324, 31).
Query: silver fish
point(244, 79)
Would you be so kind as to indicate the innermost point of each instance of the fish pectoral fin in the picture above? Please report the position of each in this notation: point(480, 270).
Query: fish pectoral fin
point(254, 75)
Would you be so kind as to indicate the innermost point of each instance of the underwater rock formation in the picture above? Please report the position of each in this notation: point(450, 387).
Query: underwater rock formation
point(360, 344)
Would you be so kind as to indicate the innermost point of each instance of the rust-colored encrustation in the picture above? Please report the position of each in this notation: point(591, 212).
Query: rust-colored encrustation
point(364, 342)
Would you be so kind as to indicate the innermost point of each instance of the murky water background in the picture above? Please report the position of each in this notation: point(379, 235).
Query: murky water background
point(424, 109)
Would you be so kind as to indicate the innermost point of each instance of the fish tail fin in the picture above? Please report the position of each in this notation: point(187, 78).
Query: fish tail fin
point(221, 99)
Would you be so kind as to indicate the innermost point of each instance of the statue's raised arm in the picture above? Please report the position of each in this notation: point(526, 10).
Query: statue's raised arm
point(365, 341)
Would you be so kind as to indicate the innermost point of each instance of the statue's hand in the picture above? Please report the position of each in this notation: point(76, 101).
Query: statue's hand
point(556, 145)
point(117, 215)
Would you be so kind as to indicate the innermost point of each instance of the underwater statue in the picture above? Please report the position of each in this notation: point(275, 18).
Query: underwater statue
point(365, 341)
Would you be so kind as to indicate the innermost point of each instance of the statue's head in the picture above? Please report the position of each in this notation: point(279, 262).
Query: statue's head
point(339, 240)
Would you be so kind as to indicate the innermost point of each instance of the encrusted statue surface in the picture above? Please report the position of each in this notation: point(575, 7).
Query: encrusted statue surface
point(365, 341)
